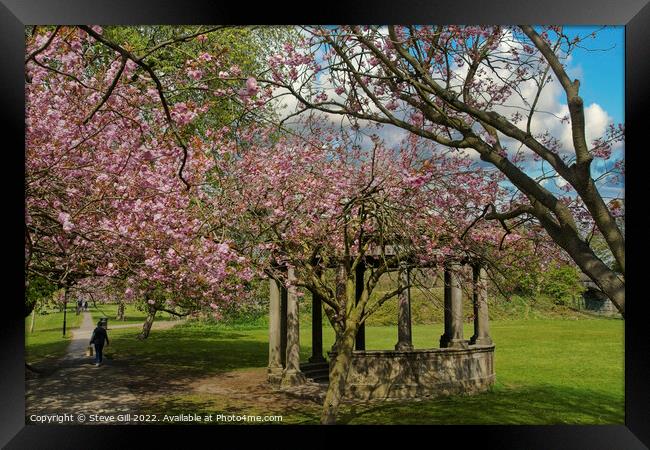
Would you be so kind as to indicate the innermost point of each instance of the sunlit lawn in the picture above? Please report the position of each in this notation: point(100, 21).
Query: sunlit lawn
point(548, 371)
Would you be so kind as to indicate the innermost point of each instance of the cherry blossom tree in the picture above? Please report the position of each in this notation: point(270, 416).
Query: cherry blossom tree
point(478, 89)
point(314, 201)
point(103, 191)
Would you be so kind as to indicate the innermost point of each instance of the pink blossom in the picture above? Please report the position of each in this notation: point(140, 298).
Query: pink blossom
point(195, 74)
point(64, 218)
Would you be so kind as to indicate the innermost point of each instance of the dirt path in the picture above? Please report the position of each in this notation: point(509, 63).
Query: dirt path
point(77, 386)
point(252, 385)
point(233, 392)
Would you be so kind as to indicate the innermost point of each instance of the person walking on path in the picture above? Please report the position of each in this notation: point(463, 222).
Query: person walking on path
point(98, 338)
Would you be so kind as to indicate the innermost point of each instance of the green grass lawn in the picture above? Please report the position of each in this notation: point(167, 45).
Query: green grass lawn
point(548, 371)
point(47, 342)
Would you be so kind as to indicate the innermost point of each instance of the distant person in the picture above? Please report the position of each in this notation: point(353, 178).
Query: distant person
point(86, 305)
point(98, 338)
point(78, 306)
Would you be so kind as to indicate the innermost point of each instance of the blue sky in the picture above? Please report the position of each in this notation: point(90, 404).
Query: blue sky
point(602, 68)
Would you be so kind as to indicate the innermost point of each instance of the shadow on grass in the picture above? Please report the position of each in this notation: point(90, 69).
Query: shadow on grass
point(47, 349)
point(169, 355)
point(46, 356)
point(177, 355)
point(508, 406)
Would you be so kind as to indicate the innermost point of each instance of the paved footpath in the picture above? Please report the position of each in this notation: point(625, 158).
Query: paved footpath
point(80, 387)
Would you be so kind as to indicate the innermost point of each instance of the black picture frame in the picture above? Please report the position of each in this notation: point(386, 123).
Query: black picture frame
point(15, 14)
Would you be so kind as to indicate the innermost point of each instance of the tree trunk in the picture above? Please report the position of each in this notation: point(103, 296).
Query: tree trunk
point(604, 220)
point(120, 311)
point(604, 277)
point(338, 376)
point(146, 327)
point(591, 265)
point(31, 327)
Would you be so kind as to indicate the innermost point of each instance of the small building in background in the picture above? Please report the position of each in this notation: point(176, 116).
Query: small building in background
point(595, 300)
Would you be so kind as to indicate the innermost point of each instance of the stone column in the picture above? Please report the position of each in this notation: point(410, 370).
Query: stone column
point(292, 375)
point(316, 329)
point(481, 320)
point(275, 341)
point(404, 339)
point(360, 342)
point(283, 324)
point(453, 336)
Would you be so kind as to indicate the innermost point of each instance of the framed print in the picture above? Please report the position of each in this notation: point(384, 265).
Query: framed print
point(409, 218)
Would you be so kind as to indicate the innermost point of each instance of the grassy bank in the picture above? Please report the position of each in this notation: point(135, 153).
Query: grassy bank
point(132, 314)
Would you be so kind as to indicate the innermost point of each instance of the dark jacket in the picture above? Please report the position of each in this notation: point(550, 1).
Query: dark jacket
point(99, 336)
